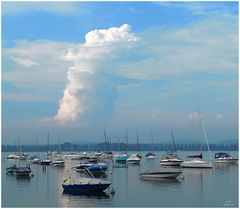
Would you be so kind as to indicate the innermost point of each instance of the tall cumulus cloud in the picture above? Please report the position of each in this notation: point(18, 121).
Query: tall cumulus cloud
point(84, 85)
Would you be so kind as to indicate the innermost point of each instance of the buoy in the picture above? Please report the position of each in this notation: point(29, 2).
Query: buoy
point(112, 192)
point(182, 177)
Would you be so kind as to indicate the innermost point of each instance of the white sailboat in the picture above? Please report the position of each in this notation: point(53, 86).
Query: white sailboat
point(135, 158)
point(171, 158)
point(151, 155)
point(197, 161)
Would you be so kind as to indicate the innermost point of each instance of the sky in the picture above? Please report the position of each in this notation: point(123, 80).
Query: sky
point(75, 68)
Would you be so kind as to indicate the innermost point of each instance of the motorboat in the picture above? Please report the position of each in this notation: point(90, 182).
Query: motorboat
point(84, 185)
point(223, 157)
point(98, 168)
point(134, 159)
point(11, 169)
point(150, 155)
point(121, 159)
point(22, 171)
point(160, 173)
point(19, 171)
point(34, 159)
point(45, 162)
point(13, 156)
point(170, 159)
point(23, 156)
point(59, 162)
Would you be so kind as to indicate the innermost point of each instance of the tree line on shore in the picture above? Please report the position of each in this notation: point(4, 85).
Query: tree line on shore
point(118, 147)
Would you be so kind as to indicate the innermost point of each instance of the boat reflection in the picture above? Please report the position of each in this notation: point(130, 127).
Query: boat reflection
point(94, 195)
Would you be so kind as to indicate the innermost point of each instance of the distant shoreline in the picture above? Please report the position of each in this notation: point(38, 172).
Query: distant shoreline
point(115, 147)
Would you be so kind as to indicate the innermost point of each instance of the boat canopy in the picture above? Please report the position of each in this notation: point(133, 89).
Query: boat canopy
point(221, 155)
point(195, 156)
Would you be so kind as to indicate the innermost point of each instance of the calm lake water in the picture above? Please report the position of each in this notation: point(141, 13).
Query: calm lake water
point(217, 187)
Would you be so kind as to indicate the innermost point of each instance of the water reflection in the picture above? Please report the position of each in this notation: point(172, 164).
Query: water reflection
point(94, 195)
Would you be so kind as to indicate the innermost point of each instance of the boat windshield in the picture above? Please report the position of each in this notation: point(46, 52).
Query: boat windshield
point(221, 155)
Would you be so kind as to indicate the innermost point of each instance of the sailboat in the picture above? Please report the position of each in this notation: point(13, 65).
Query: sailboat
point(59, 161)
point(171, 158)
point(35, 159)
point(46, 161)
point(197, 161)
point(151, 155)
point(123, 157)
point(135, 158)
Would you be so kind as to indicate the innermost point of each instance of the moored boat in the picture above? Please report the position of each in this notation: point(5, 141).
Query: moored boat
point(170, 160)
point(84, 185)
point(59, 162)
point(134, 159)
point(223, 157)
point(161, 173)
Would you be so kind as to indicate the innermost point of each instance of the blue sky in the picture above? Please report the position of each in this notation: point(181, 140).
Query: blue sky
point(161, 57)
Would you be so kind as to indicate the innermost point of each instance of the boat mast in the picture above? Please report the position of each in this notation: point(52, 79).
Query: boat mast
point(105, 139)
point(152, 138)
point(126, 137)
point(19, 146)
point(205, 135)
point(174, 144)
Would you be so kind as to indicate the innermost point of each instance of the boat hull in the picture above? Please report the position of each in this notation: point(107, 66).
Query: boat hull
point(196, 164)
point(160, 175)
point(226, 160)
point(84, 188)
point(171, 163)
point(133, 161)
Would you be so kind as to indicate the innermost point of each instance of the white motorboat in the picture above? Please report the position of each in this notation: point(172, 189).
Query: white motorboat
point(150, 155)
point(134, 159)
point(160, 173)
point(13, 156)
point(170, 160)
point(59, 162)
point(222, 157)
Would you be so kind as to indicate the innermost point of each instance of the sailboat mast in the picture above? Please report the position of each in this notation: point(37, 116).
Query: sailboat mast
point(137, 141)
point(19, 146)
point(205, 135)
point(174, 144)
point(126, 137)
point(152, 138)
point(105, 139)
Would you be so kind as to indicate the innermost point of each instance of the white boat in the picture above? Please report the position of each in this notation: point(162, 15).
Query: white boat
point(160, 173)
point(13, 156)
point(134, 159)
point(150, 155)
point(197, 161)
point(222, 157)
point(36, 160)
point(170, 160)
point(59, 162)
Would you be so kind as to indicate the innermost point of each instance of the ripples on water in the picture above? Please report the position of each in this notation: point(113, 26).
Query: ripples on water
point(217, 187)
